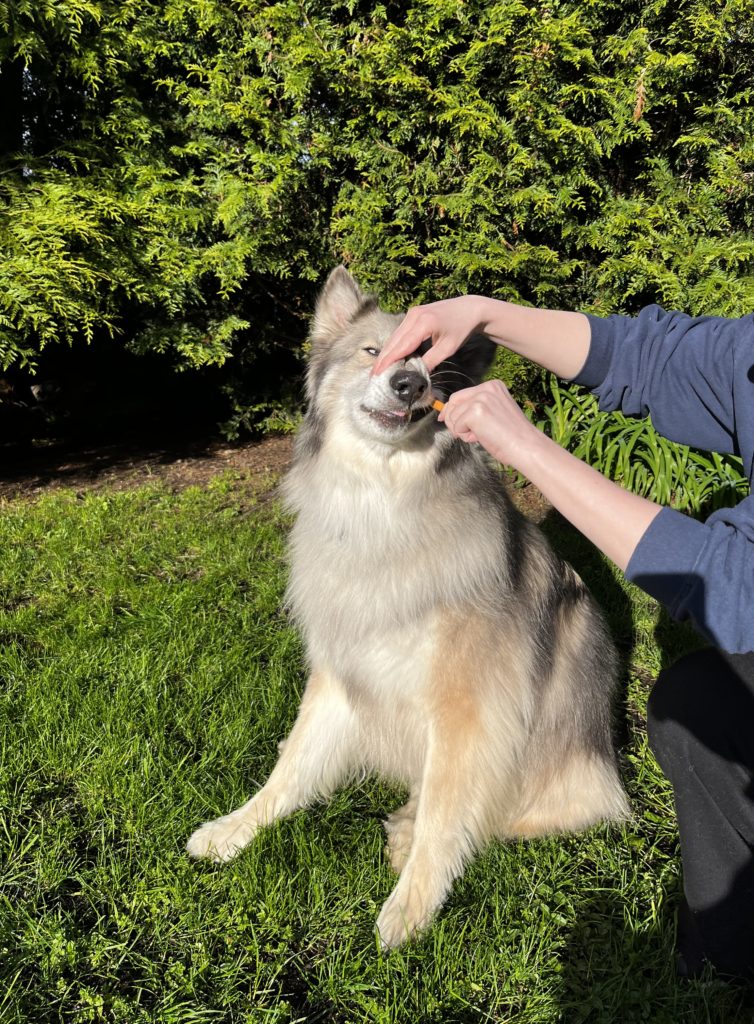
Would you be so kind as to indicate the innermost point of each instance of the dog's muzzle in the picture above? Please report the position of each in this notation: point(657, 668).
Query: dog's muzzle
point(409, 386)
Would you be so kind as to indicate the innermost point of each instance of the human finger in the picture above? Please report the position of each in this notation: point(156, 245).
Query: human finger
point(439, 351)
point(458, 428)
point(463, 409)
point(405, 339)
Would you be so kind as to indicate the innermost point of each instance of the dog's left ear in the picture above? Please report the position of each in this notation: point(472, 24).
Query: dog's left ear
point(469, 364)
point(337, 305)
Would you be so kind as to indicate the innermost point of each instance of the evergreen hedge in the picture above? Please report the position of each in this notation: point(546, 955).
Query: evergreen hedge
point(184, 173)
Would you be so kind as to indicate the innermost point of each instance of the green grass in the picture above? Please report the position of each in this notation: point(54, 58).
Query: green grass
point(148, 671)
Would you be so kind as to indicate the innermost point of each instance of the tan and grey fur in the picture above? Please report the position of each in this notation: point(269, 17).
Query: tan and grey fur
point(450, 649)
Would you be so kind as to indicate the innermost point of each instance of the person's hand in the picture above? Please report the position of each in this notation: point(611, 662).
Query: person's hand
point(447, 324)
point(613, 519)
point(487, 414)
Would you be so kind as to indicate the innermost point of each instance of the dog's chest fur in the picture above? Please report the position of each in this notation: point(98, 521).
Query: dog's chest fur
point(365, 571)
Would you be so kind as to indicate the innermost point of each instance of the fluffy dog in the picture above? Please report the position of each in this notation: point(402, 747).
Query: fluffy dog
point(450, 649)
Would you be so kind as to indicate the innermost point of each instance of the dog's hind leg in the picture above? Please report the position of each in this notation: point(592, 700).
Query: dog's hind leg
point(316, 757)
point(581, 790)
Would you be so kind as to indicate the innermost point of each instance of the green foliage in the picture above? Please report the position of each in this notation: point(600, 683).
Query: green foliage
point(118, 214)
point(184, 173)
point(595, 156)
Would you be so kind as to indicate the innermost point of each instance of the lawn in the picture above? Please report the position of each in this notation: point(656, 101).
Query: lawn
point(148, 671)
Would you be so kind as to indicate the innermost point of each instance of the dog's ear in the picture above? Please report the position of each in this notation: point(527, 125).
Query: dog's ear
point(468, 365)
point(337, 305)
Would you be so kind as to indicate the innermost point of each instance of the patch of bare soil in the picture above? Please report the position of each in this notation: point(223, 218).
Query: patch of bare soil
point(121, 467)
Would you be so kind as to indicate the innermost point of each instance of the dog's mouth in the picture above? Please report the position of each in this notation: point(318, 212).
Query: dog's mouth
point(393, 419)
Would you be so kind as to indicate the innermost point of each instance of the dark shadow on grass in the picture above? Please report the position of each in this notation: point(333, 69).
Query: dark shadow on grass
point(608, 931)
point(37, 466)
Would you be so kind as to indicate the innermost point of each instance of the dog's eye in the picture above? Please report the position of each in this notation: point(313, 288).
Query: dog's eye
point(372, 351)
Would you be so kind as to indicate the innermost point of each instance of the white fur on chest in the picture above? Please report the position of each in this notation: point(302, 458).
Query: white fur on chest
point(367, 583)
point(360, 571)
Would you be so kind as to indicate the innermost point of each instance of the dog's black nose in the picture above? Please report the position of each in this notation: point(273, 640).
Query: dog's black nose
point(408, 385)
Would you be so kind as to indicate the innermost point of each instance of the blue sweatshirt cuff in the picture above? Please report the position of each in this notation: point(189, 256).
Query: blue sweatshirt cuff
point(664, 561)
point(594, 370)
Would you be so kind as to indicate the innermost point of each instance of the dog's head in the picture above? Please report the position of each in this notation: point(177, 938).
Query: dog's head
point(348, 332)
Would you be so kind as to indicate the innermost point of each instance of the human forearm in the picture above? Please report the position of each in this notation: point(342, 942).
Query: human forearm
point(556, 339)
point(610, 517)
point(613, 519)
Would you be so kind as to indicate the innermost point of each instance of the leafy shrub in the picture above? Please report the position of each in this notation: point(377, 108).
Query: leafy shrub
point(634, 455)
point(183, 175)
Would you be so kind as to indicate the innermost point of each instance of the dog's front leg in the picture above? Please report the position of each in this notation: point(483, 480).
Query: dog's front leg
point(314, 759)
point(450, 825)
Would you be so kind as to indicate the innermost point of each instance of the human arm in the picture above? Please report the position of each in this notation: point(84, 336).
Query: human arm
point(557, 340)
point(701, 571)
point(683, 371)
point(612, 518)
point(690, 374)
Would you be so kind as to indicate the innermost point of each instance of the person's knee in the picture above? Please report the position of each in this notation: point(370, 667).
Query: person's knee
point(680, 709)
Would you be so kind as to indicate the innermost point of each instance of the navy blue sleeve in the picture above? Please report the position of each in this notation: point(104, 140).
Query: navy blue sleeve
point(695, 377)
point(703, 572)
point(678, 369)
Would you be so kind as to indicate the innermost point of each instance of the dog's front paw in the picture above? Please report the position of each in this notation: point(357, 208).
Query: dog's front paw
point(221, 839)
point(403, 916)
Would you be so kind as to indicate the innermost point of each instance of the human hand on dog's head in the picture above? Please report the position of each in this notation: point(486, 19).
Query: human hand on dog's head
point(446, 324)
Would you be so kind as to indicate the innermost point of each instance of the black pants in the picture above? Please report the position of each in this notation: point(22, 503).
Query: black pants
point(701, 729)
